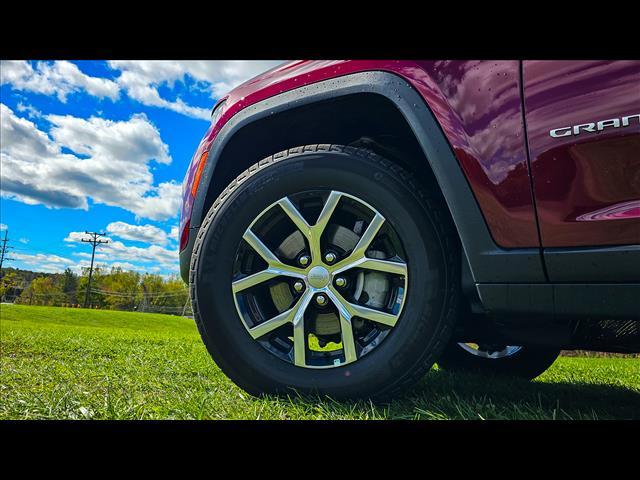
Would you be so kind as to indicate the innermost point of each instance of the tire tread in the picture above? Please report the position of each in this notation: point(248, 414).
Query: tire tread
point(439, 215)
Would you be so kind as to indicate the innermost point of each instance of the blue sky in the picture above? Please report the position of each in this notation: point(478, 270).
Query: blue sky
point(102, 146)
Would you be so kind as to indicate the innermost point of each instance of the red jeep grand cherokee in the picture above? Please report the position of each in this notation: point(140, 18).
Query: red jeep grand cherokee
point(347, 224)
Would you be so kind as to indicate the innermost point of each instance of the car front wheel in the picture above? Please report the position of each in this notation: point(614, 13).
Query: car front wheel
point(326, 269)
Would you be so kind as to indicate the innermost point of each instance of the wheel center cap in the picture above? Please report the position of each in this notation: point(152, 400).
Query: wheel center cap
point(318, 277)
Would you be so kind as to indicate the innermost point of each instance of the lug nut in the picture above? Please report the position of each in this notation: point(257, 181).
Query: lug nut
point(341, 282)
point(330, 257)
point(298, 286)
point(321, 300)
point(304, 260)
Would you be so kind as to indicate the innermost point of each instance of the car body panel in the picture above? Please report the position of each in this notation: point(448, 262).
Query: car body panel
point(587, 186)
point(477, 150)
point(476, 103)
point(487, 261)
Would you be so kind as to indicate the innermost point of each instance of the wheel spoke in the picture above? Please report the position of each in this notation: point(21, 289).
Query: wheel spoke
point(358, 254)
point(313, 233)
point(325, 215)
point(368, 236)
point(273, 323)
point(296, 217)
point(253, 240)
point(263, 276)
point(348, 342)
point(346, 328)
point(252, 280)
point(276, 267)
point(288, 316)
point(323, 219)
point(355, 310)
point(398, 268)
point(299, 340)
point(373, 315)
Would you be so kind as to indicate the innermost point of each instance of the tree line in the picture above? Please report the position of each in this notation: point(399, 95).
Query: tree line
point(114, 289)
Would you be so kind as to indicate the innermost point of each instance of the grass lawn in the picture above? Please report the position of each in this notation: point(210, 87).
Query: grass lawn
point(65, 363)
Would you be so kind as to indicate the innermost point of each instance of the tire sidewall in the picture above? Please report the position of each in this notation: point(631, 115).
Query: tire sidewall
point(244, 359)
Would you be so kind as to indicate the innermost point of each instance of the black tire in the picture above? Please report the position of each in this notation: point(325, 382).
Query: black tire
point(419, 216)
point(526, 363)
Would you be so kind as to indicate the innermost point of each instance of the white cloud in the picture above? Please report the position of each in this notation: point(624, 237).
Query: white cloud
point(24, 240)
point(3, 226)
point(139, 233)
point(44, 262)
point(59, 78)
point(141, 79)
point(50, 268)
point(50, 263)
point(100, 138)
point(115, 250)
point(78, 236)
point(173, 234)
point(109, 163)
point(29, 109)
point(122, 265)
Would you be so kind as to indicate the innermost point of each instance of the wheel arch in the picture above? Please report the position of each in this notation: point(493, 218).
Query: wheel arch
point(358, 107)
point(363, 119)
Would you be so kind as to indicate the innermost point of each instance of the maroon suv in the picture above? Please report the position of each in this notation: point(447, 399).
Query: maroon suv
point(347, 224)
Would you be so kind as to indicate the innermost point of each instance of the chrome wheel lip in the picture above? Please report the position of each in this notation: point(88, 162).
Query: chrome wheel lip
point(507, 351)
point(357, 259)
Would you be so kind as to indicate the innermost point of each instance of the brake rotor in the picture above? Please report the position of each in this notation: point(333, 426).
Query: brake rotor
point(372, 287)
point(281, 296)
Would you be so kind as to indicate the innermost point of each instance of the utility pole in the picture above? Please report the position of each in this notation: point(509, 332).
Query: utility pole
point(143, 303)
point(4, 250)
point(94, 242)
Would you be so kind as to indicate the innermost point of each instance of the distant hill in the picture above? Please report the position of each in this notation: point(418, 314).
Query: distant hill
point(25, 275)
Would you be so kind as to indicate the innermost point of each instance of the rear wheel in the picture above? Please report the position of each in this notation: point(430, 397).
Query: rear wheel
point(507, 360)
point(325, 269)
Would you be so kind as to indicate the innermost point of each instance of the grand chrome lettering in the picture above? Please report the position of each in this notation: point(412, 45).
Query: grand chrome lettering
point(594, 127)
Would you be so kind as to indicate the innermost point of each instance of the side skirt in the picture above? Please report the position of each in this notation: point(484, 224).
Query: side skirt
point(561, 300)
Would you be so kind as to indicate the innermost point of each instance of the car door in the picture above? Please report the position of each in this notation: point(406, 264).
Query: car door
point(583, 127)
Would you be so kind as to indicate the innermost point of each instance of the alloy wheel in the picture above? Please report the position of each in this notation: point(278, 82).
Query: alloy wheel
point(320, 279)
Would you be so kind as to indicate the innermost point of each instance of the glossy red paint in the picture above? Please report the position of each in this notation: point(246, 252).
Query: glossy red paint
point(587, 186)
point(187, 195)
point(478, 106)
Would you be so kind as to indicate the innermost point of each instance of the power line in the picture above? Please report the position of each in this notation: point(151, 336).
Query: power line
point(94, 242)
point(34, 250)
point(137, 293)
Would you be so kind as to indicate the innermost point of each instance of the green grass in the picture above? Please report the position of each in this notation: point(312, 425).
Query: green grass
point(72, 363)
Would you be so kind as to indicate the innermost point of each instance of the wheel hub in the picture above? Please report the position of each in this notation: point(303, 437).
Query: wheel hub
point(318, 277)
